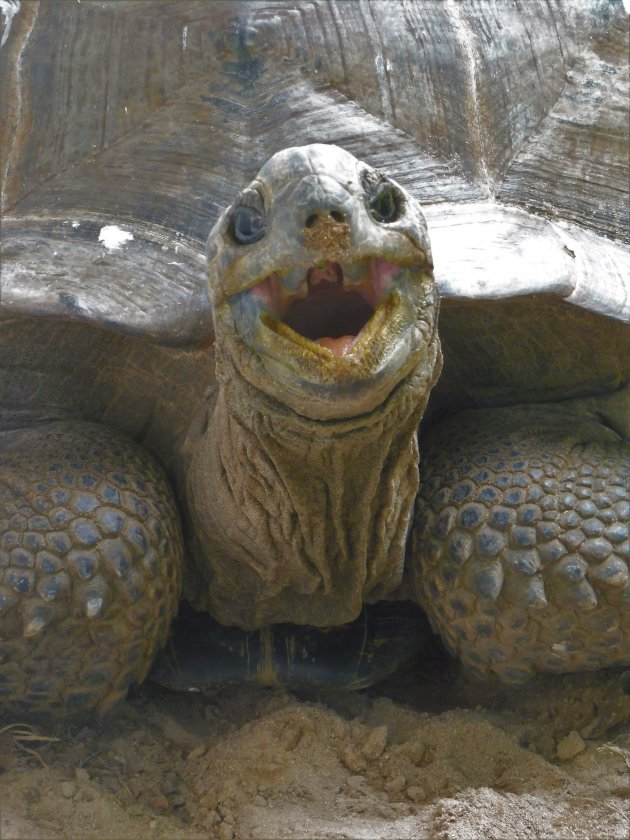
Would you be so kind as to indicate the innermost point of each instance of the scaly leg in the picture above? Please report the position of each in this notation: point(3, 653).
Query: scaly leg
point(90, 568)
point(519, 550)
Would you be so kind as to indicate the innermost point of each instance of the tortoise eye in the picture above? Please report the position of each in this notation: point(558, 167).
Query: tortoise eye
point(384, 204)
point(247, 225)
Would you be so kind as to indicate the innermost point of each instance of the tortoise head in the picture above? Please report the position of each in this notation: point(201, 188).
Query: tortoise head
point(321, 280)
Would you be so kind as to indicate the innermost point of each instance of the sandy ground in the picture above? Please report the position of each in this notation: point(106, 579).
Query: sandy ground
point(424, 755)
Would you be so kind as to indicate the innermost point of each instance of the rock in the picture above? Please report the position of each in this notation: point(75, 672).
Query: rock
point(374, 744)
point(570, 746)
point(210, 800)
point(356, 782)
point(351, 758)
point(260, 801)
point(81, 775)
point(415, 793)
point(396, 785)
point(183, 815)
point(155, 799)
point(416, 752)
point(197, 752)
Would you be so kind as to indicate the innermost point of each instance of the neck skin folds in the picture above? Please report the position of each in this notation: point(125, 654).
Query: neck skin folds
point(295, 520)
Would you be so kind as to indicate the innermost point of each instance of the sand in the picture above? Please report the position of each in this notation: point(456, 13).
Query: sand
point(426, 754)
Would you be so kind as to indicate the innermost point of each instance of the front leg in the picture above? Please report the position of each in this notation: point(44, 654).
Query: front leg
point(519, 550)
point(90, 568)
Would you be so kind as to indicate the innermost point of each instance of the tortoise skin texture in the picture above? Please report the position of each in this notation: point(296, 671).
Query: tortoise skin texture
point(91, 556)
point(521, 530)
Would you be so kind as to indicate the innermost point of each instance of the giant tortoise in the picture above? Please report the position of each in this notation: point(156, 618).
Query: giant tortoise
point(251, 436)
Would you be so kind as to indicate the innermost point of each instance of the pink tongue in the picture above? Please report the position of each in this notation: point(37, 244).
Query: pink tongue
point(339, 346)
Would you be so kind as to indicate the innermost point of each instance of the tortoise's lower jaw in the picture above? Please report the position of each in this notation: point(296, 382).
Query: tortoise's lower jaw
point(341, 334)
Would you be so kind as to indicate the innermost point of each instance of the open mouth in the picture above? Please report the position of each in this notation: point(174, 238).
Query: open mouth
point(330, 304)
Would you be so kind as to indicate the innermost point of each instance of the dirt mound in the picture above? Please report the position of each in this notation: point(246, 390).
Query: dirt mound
point(423, 756)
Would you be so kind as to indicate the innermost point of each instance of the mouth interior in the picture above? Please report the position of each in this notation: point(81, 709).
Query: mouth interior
point(328, 311)
point(328, 305)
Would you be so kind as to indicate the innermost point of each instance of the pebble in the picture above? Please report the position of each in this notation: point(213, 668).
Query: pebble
point(396, 785)
point(351, 758)
point(155, 799)
point(260, 801)
point(415, 793)
point(197, 752)
point(374, 744)
point(356, 782)
point(68, 789)
point(570, 746)
point(337, 727)
point(416, 752)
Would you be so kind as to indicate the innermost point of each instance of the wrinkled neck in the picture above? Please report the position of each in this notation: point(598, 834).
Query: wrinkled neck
point(298, 520)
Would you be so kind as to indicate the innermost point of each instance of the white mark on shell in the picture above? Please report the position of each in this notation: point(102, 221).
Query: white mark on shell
point(114, 237)
point(9, 9)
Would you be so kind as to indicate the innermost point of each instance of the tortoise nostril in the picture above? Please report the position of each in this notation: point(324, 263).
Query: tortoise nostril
point(336, 215)
point(311, 220)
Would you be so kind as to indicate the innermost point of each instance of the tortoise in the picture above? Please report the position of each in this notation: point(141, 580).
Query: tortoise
point(278, 442)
